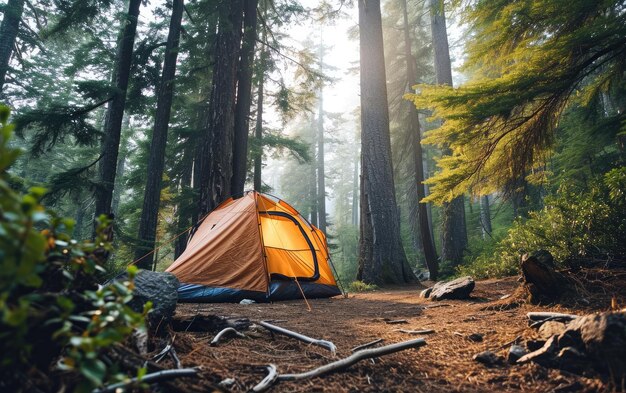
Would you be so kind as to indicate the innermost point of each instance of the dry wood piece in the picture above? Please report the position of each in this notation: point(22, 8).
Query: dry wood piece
point(150, 378)
point(175, 358)
point(438, 305)
point(354, 358)
point(366, 345)
point(341, 364)
point(286, 332)
point(545, 316)
point(224, 332)
point(423, 331)
point(542, 282)
point(396, 322)
point(159, 356)
point(268, 381)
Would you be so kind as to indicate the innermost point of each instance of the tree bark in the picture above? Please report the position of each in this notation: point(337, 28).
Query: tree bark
point(418, 209)
point(184, 210)
point(355, 192)
point(313, 195)
point(381, 256)
point(321, 186)
point(454, 233)
point(8, 34)
point(115, 111)
point(485, 216)
point(156, 158)
point(258, 134)
point(244, 98)
point(216, 163)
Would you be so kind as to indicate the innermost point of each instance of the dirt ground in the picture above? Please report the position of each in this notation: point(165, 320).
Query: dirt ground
point(445, 364)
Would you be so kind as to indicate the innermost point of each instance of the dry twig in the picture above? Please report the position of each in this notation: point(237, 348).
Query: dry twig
point(366, 345)
point(150, 378)
point(224, 332)
point(286, 332)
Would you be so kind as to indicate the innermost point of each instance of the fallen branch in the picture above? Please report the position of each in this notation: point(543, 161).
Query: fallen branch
point(224, 332)
point(366, 345)
point(321, 343)
point(150, 378)
point(352, 359)
point(438, 305)
point(273, 376)
point(268, 381)
point(396, 322)
point(514, 341)
point(543, 316)
point(159, 356)
point(424, 331)
point(175, 358)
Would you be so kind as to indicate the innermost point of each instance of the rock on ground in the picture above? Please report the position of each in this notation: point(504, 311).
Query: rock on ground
point(455, 289)
point(160, 288)
point(596, 340)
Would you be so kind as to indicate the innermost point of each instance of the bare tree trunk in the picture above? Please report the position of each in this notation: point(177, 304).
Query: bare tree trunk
point(381, 255)
point(454, 232)
point(244, 98)
point(115, 111)
point(313, 195)
point(418, 208)
point(321, 186)
point(184, 212)
point(216, 163)
point(355, 192)
point(485, 216)
point(8, 34)
point(258, 129)
point(121, 165)
point(156, 158)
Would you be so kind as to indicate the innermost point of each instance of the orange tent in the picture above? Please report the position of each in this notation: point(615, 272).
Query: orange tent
point(255, 247)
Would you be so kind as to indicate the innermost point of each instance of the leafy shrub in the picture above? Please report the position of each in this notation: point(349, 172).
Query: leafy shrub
point(53, 316)
point(360, 286)
point(574, 225)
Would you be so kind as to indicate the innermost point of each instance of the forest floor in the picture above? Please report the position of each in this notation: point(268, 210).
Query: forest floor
point(445, 364)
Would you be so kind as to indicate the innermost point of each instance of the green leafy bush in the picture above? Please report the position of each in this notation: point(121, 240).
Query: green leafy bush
point(360, 286)
point(575, 224)
point(53, 316)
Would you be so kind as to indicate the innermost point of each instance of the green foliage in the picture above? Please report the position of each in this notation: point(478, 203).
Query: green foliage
point(50, 305)
point(360, 286)
point(574, 225)
point(531, 60)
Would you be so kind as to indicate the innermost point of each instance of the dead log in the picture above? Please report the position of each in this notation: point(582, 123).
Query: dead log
point(225, 332)
point(150, 378)
point(268, 381)
point(367, 345)
point(285, 332)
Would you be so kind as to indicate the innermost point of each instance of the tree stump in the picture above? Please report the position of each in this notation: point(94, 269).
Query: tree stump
point(543, 284)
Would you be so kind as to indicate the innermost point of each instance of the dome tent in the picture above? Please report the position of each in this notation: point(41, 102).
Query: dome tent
point(254, 247)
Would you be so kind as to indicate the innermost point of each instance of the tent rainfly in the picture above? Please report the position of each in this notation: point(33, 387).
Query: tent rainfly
point(255, 247)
